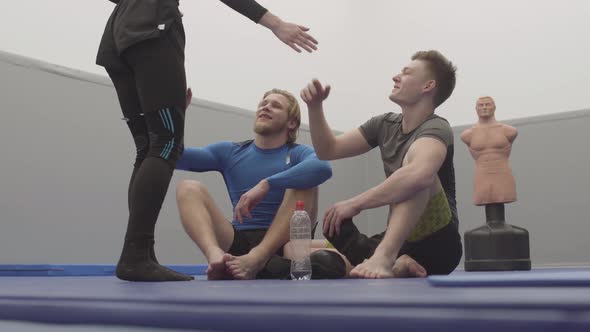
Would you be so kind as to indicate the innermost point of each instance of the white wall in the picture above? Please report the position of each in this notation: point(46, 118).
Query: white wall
point(530, 55)
point(67, 156)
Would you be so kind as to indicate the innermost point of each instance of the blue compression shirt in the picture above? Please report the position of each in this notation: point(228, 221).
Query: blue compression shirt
point(243, 165)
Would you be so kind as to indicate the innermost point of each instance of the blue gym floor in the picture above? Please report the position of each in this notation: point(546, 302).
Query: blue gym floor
point(538, 300)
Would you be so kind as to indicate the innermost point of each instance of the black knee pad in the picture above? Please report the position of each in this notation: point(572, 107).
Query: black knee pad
point(166, 133)
point(354, 245)
point(276, 267)
point(139, 131)
point(141, 149)
point(327, 264)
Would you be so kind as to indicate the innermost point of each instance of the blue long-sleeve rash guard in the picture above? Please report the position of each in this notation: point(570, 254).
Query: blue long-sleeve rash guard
point(244, 165)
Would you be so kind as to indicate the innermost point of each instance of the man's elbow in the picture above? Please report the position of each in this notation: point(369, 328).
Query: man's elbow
point(325, 171)
point(323, 155)
point(326, 150)
point(424, 180)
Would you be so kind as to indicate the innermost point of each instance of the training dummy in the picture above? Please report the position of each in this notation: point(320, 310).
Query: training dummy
point(497, 245)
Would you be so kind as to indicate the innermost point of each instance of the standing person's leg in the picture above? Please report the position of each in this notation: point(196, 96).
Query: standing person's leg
point(124, 83)
point(206, 226)
point(158, 68)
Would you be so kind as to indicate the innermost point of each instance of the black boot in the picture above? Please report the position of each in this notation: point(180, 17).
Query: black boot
point(152, 251)
point(136, 264)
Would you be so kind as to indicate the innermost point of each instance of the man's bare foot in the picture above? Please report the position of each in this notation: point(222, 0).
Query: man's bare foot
point(376, 267)
point(244, 267)
point(216, 269)
point(406, 267)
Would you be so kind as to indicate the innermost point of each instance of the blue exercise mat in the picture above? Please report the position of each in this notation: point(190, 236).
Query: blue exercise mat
point(293, 306)
point(38, 270)
point(577, 277)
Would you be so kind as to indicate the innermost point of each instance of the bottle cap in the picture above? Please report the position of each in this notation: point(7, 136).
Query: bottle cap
point(299, 205)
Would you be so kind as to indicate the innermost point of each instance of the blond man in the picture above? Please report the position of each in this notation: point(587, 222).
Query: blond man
point(264, 178)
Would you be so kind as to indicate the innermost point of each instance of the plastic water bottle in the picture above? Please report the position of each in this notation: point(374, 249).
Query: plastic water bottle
point(300, 242)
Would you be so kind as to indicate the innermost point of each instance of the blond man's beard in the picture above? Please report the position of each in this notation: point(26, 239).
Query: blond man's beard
point(265, 130)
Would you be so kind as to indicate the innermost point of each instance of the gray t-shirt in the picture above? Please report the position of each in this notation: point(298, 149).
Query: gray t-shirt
point(385, 131)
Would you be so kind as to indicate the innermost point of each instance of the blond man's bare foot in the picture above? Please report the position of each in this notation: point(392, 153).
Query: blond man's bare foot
point(216, 269)
point(406, 267)
point(244, 267)
point(376, 267)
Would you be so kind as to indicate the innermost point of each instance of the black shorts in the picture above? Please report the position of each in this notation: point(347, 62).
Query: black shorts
point(245, 240)
point(438, 253)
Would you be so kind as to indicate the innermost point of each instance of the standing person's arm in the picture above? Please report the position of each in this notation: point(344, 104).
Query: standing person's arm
point(294, 35)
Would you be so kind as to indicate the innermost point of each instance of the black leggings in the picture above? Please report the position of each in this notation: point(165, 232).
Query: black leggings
point(152, 94)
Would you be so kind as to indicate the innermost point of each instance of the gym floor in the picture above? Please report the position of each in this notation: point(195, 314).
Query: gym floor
point(541, 299)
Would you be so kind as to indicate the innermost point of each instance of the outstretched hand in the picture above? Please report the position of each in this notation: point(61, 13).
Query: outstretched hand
point(295, 36)
point(314, 93)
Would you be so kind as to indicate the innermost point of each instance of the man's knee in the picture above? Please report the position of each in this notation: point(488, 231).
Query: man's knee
point(166, 134)
point(190, 190)
point(138, 129)
point(308, 196)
